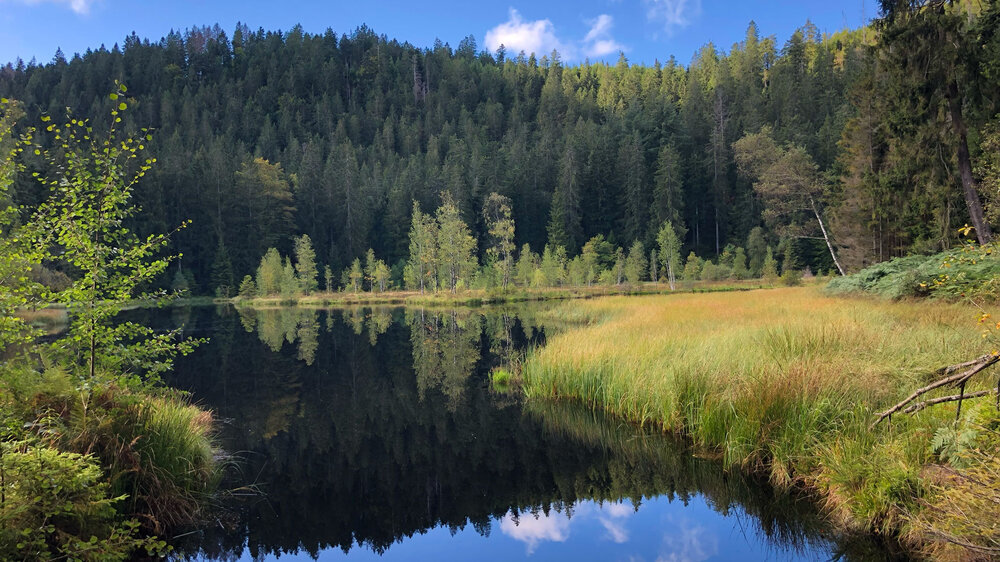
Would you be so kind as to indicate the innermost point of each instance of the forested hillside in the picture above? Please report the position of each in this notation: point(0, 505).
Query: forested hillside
point(261, 136)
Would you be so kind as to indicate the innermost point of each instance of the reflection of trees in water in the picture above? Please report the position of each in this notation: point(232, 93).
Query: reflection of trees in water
point(446, 348)
point(275, 326)
point(369, 445)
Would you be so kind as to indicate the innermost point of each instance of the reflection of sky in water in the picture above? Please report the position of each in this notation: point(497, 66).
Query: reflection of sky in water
point(659, 531)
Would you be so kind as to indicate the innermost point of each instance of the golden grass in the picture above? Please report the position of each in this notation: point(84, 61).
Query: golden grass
point(784, 381)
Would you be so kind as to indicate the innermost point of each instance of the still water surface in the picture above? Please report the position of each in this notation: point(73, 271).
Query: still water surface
point(373, 434)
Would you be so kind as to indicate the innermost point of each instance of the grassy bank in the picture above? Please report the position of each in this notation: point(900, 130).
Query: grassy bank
point(478, 297)
point(782, 382)
point(93, 471)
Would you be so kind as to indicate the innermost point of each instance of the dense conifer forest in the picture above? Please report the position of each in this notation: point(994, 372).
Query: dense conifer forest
point(882, 133)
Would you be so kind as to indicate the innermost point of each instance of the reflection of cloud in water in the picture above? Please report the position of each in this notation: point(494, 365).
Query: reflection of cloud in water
point(534, 530)
point(688, 544)
point(612, 517)
point(554, 527)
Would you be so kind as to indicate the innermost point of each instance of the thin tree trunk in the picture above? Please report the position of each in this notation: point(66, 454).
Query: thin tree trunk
point(969, 188)
point(826, 237)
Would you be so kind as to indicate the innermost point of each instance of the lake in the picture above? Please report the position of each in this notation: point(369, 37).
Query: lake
point(375, 434)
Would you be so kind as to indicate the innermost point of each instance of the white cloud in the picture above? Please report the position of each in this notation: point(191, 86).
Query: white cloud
point(599, 41)
point(517, 35)
point(613, 517)
point(534, 530)
point(673, 13)
point(81, 7)
point(539, 37)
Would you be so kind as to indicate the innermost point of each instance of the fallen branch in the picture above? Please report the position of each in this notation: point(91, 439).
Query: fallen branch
point(975, 366)
point(921, 405)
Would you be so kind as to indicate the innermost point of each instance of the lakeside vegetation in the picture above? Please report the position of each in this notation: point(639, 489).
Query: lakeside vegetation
point(96, 458)
point(350, 170)
point(786, 382)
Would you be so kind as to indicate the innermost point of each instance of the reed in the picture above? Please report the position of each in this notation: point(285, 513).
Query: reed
point(784, 382)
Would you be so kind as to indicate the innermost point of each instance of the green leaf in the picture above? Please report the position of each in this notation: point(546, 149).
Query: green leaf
point(122, 106)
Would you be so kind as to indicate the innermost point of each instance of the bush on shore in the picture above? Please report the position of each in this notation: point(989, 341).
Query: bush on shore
point(105, 462)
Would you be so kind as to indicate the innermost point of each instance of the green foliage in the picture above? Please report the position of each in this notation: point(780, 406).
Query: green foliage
point(963, 272)
point(739, 270)
point(635, 264)
point(328, 282)
point(670, 250)
point(222, 272)
point(500, 227)
point(92, 184)
point(56, 505)
point(692, 268)
point(248, 289)
point(355, 275)
point(305, 264)
point(769, 268)
point(757, 251)
point(455, 244)
point(18, 254)
point(269, 273)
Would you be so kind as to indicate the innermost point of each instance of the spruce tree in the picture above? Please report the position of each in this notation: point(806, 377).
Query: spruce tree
point(305, 264)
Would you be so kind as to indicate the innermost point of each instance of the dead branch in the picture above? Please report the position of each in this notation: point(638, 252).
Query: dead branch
point(921, 405)
point(975, 366)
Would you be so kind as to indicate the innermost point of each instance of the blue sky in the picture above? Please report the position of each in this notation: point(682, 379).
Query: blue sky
point(645, 30)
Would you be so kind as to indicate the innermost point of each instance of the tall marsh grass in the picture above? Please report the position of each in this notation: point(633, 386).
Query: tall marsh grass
point(783, 382)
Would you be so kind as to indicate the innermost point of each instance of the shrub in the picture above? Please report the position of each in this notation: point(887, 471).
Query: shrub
point(53, 499)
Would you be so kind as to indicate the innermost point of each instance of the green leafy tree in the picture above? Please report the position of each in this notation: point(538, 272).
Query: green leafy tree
point(18, 252)
point(526, 264)
point(769, 270)
point(789, 183)
point(423, 249)
point(328, 278)
point(369, 270)
point(553, 265)
point(289, 285)
point(305, 264)
point(93, 181)
point(500, 227)
point(635, 263)
point(739, 270)
point(455, 244)
point(692, 268)
point(355, 275)
point(670, 251)
point(269, 273)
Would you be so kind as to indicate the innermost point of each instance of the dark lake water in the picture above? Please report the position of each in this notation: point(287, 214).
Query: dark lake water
point(373, 434)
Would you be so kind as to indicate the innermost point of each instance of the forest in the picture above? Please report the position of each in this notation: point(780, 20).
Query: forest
point(886, 134)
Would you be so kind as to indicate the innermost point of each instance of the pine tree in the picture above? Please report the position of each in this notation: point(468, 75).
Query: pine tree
point(222, 271)
point(756, 250)
point(248, 289)
point(305, 264)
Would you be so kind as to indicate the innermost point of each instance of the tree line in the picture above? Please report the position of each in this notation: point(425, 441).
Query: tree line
point(443, 256)
point(876, 141)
